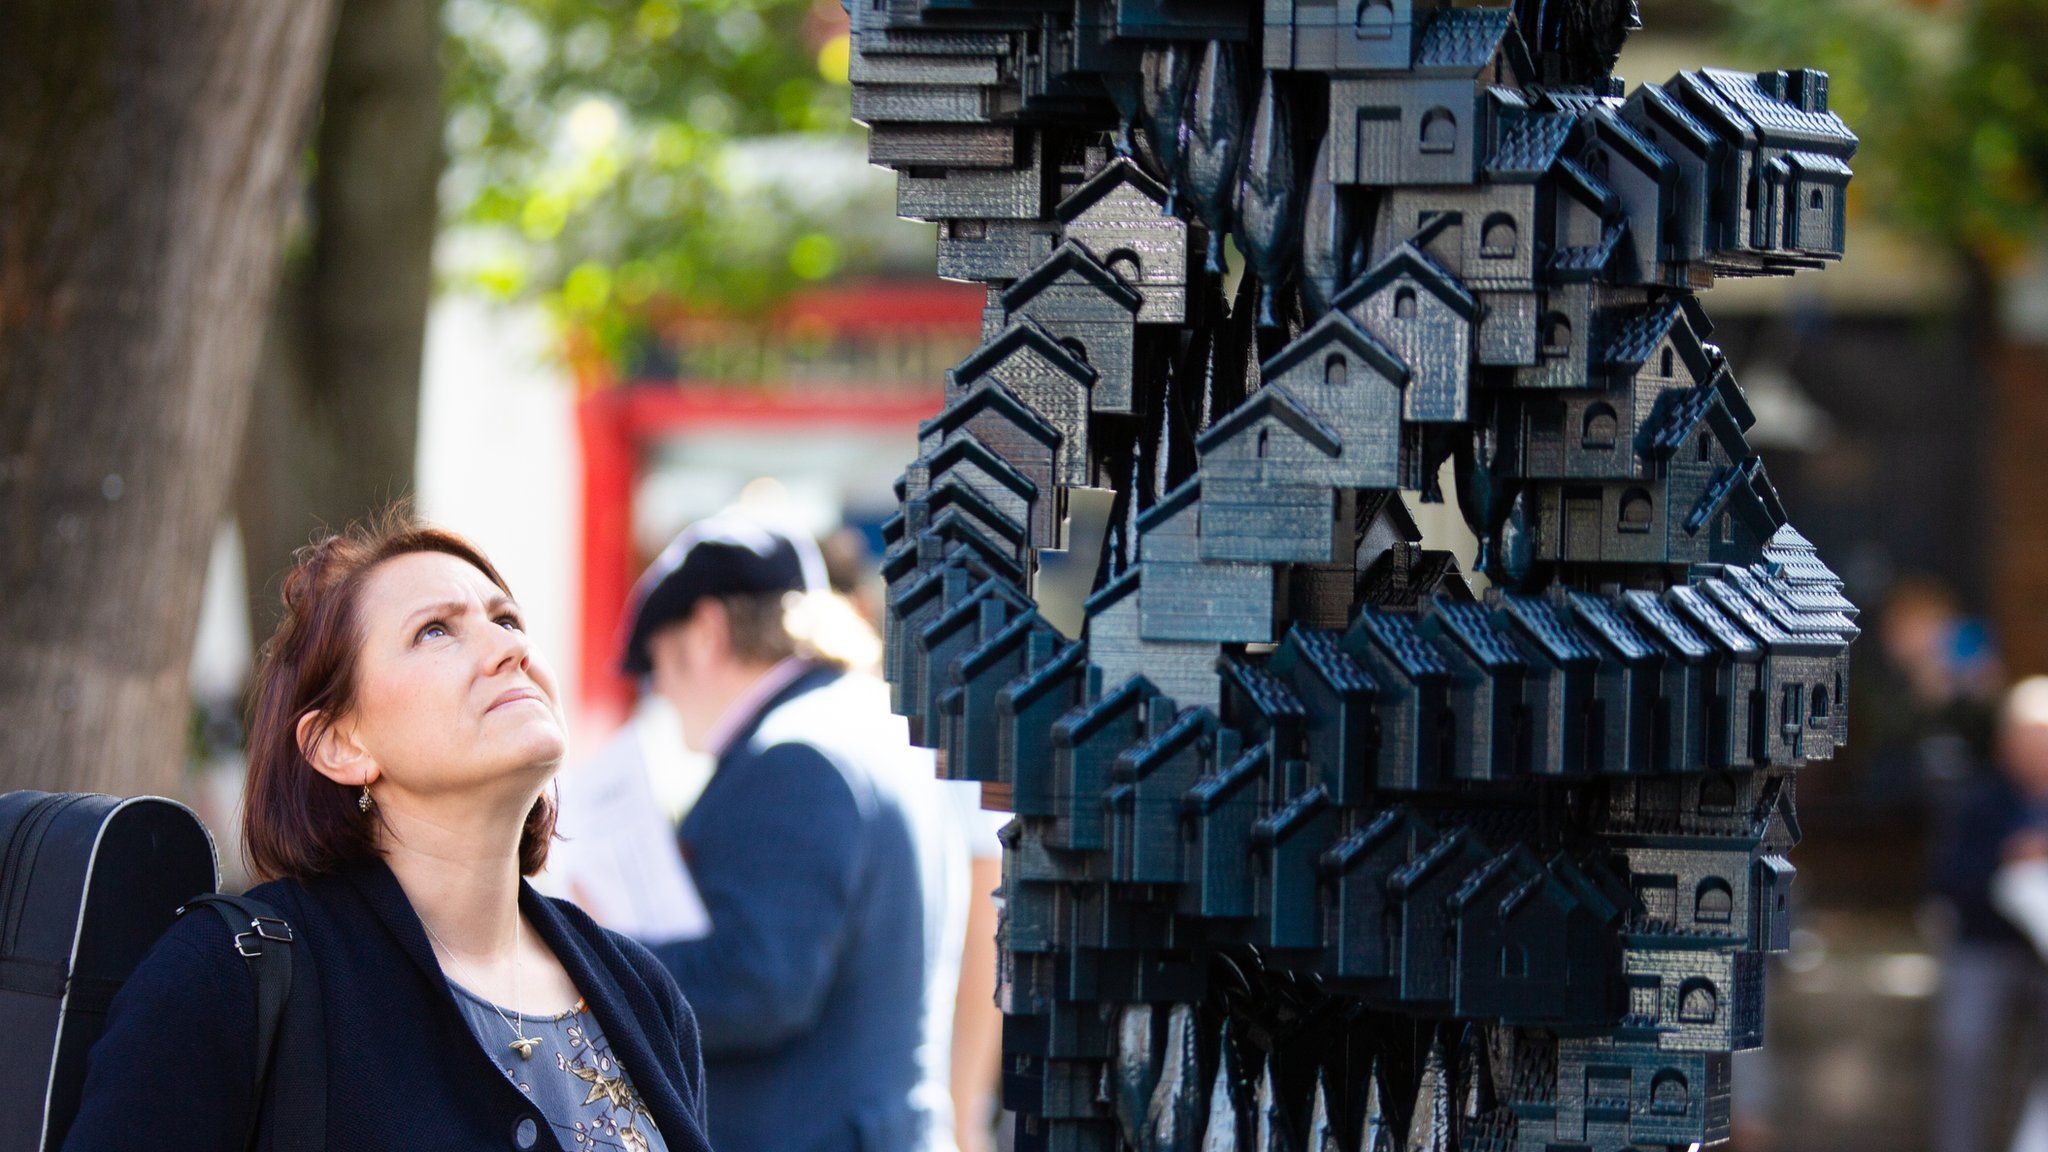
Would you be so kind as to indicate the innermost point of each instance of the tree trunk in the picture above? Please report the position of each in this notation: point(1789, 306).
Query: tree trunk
point(148, 149)
point(335, 426)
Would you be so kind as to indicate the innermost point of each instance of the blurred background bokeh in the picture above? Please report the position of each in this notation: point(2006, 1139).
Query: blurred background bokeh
point(575, 272)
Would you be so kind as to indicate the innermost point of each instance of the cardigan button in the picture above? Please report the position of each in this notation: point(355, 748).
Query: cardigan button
point(525, 1134)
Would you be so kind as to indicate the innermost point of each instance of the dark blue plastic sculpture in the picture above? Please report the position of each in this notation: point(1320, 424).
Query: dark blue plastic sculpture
point(1324, 842)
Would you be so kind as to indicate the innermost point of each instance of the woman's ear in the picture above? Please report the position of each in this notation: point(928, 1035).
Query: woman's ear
point(334, 751)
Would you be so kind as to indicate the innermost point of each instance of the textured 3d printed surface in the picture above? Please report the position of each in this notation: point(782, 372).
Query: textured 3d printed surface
point(1324, 841)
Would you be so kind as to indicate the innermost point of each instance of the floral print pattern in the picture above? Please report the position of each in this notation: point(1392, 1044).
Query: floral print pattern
point(573, 1078)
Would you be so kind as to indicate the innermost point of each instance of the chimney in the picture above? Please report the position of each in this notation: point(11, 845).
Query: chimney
point(1810, 89)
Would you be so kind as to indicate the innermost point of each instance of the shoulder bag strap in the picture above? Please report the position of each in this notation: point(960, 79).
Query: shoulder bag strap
point(291, 1061)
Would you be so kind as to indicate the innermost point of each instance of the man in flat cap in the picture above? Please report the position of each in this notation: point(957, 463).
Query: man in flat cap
point(831, 864)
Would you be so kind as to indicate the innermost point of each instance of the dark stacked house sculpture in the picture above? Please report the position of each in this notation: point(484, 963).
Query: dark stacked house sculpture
point(1323, 841)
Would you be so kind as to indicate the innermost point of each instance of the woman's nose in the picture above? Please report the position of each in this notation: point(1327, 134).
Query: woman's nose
point(511, 647)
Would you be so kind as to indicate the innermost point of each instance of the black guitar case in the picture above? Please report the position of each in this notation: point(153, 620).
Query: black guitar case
point(87, 884)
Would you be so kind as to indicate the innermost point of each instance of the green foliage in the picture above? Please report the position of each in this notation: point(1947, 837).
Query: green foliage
point(619, 155)
point(1951, 100)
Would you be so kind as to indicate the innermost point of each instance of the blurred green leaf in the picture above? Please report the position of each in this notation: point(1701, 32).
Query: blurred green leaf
point(612, 156)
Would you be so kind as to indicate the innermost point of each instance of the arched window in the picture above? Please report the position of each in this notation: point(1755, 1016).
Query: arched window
point(1697, 1002)
point(1705, 444)
point(1404, 303)
point(1635, 511)
point(1717, 794)
point(1124, 263)
point(1439, 130)
point(1497, 238)
point(1819, 711)
point(1596, 432)
point(1816, 199)
point(1669, 1094)
point(1075, 348)
point(1714, 903)
point(1557, 335)
point(1375, 19)
point(1668, 362)
point(1727, 529)
point(1514, 960)
point(1261, 449)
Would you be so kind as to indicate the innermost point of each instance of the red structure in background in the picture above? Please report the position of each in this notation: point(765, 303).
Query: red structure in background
point(868, 354)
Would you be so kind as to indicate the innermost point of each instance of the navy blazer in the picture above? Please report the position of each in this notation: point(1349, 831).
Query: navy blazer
point(175, 1069)
point(811, 985)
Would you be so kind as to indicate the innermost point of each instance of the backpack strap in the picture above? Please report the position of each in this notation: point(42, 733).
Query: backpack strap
point(291, 1059)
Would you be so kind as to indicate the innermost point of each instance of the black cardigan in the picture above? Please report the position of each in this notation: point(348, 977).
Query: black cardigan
point(175, 1069)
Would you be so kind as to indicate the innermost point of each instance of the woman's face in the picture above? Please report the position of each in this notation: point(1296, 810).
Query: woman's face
point(450, 694)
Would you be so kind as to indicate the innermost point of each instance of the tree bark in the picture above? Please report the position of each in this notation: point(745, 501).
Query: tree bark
point(335, 426)
point(148, 150)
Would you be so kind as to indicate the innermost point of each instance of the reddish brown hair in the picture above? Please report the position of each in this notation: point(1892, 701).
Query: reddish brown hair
point(295, 821)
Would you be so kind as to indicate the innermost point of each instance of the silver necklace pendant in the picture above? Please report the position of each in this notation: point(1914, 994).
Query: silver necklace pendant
point(525, 1046)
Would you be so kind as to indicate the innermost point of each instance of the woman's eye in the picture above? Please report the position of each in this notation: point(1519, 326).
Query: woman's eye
point(432, 629)
point(510, 621)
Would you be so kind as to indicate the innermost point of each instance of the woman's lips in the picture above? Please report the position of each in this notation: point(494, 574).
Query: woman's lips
point(516, 695)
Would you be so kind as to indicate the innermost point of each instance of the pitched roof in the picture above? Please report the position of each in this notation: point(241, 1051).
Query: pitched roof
point(1185, 729)
point(1775, 117)
point(1676, 415)
point(1113, 175)
point(1529, 146)
point(1665, 624)
point(1115, 590)
point(1730, 599)
point(1395, 635)
point(1448, 847)
point(966, 449)
point(1710, 108)
point(1172, 503)
point(1695, 607)
point(1340, 328)
point(1266, 692)
point(1071, 257)
point(1629, 140)
point(1323, 651)
point(1637, 332)
point(1023, 332)
point(1084, 722)
point(1217, 788)
point(1462, 39)
point(1471, 625)
point(1346, 852)
point(993, 396)
point(1072, 659)
point(1602, 619)
point(1275, 401)
point(1667, 111)
point(1543, 624)
point(1719, 487)
point(1818, 164)
point(1576, 179)
point(1410, 261)
point(1276, 828)
point(1585, 261)
point(949, 494)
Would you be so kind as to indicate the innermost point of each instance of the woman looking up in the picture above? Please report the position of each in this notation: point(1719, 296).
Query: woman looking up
point(402, 734)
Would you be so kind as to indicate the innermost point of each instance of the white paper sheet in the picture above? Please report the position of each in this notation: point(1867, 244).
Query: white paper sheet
point(618, 858)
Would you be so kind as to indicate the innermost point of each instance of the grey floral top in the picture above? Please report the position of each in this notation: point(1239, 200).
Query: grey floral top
point(572, 1077)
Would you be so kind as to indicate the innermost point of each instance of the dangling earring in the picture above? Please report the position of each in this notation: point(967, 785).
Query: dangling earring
point(363, 802)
